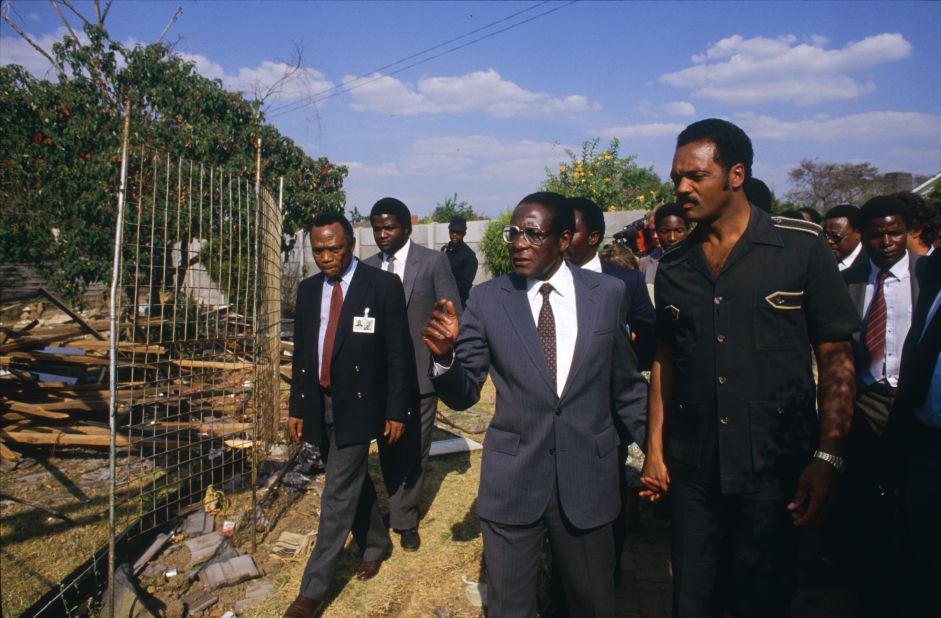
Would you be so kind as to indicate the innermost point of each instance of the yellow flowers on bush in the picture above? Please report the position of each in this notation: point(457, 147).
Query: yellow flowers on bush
point(613, 182)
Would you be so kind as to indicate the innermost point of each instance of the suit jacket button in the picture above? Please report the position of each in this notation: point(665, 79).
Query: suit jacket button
point(724, 420)
point(780, 411)
point(359, 395)
point(303, 371)
point(552, 451)
point(558, 411)
point(355, 368)
point(302, 395)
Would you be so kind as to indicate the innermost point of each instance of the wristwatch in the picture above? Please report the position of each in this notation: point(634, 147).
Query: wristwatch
point(837, 462)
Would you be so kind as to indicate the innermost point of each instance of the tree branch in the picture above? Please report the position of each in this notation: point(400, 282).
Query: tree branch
point(98, 13)
point(104, 14)
point(64, 20)
point(72, 8)
point(26, 38)
point(179, 10)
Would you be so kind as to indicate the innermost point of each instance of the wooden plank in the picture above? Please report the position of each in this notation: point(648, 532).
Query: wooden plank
point(59, 437)
point(123, 346)
point(34, 410)
point(7, 453)
point(58, 358)
point(197, 364)
point(72, 314)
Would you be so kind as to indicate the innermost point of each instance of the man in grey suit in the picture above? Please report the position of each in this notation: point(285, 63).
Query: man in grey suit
point(427, 277)
point(552, 337)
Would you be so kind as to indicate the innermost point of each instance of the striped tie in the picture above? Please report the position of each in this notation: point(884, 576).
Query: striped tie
point(876, 321)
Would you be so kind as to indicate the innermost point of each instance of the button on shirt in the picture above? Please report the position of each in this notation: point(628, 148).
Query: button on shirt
point(398, 264)
point(325, 295)
point(562, 301)
point(898, 303)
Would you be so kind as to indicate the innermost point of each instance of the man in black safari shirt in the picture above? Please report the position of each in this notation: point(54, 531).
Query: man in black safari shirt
point(732, 422)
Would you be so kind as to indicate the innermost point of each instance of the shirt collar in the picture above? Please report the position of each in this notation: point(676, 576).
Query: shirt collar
point(401, 255)
point(899, 270)
point(561, 281)
point(347, 275)
point(852, 256)
point(593, 264)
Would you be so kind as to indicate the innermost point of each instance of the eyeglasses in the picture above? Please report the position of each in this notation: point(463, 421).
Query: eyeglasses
point(835, 237)
point(533, 235)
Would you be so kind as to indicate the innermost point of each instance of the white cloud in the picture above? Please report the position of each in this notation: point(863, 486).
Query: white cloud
point(782, 69)
point(680, 108)
point(484, 91)
point(259, 80)
point(869, 127)
point(15, 50)
point(652, 129)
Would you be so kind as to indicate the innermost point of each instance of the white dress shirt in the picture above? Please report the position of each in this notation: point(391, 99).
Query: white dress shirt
point(398, 264)
point(897, 290)
point(930, 411)
point(325, 297)
point(562, 301)
point(593, 264)
point(848, 260)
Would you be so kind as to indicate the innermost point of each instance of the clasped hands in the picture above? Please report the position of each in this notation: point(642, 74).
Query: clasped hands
point(814, 488)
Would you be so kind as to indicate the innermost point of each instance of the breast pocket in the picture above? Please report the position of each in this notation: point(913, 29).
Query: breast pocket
point(778, 320)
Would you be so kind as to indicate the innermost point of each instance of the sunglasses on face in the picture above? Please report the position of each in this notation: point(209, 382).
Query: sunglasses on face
point(835, 237)
point(533, 235)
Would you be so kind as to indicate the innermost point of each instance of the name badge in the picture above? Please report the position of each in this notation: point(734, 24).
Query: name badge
point(364, 323)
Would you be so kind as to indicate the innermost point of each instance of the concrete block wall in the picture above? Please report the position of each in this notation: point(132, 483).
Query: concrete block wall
point(434, 236)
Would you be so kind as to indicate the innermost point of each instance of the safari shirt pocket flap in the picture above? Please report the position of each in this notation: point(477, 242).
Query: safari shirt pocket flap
point(785, 301)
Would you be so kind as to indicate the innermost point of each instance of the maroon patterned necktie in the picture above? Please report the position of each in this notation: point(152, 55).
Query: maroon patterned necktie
point(876, 321)
point(546, 330)
point(336, 305)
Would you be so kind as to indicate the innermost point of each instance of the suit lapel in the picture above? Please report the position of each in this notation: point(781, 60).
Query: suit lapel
point(586, 311)
point(520, 316)
point(412, 268)
point(352, 303)
point(316, 296)
point(912, 261)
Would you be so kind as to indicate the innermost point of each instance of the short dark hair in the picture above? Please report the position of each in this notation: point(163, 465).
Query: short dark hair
point(330, 217)
point(394, 207)
point(563, 217)
point(732, 145)
point(884, 206)
point(758, 193)
point(591, 213)
point(792, 214)
point(813, 212)
point(669, 210)
point(844, 210)
point(924, 216)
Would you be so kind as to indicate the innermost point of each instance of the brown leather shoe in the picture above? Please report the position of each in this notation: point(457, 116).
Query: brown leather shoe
point(302, 607)
point(368, 569)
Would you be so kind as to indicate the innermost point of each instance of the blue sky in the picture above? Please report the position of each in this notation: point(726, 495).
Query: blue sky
point(837, 81)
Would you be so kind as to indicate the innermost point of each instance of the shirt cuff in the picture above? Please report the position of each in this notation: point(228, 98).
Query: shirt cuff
point(437, 369)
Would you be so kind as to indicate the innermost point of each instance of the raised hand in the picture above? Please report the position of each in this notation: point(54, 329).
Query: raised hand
point(441, 330)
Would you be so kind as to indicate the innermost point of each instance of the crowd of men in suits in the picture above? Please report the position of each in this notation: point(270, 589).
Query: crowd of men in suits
point(740, 431)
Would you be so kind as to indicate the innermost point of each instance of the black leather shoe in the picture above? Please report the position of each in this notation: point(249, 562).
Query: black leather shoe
point(409, 539)
point(302, 607)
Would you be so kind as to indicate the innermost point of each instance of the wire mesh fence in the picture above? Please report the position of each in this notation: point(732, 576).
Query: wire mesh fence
point(197, 336)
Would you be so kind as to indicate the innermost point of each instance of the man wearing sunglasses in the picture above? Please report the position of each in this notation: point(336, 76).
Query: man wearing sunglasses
point(841, 229)
point(552, 337)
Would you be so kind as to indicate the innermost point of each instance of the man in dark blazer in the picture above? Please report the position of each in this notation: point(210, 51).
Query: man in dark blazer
point(552, 338)
point(427, 277)
point(353, 371)
point(915, 429)
point(884, 289)
point(583, 252)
